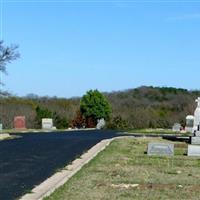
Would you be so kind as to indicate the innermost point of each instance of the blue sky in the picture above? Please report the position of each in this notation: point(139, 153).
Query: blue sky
point(69, 47)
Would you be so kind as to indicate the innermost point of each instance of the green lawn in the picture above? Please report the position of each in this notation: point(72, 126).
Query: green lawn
point(124, 171)
point(156, 131)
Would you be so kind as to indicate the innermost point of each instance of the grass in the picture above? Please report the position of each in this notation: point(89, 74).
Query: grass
point(123, 171)
point(156, 131)
point(142, 131)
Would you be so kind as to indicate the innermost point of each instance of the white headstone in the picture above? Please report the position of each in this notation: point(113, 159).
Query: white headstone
point(101, 124)
point(47, 123)
point(195, 140)
point(193, 150)
point(1, 127)
point(160, 149)
point(197, 115)
point(189, 123)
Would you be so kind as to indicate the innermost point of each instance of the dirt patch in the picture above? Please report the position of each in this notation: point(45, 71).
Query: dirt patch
point(192, 188)
point(180, 145)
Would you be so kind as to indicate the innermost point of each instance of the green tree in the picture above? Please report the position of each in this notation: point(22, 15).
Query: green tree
point(40, 114)
point(94, 105)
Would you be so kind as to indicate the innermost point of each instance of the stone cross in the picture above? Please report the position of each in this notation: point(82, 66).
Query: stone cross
point(198, 101)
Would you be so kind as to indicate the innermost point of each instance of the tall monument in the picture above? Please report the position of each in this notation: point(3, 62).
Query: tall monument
point(194, 148)
point(197, 116)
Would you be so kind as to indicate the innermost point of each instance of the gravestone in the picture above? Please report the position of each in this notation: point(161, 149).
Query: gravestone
point(160, 149)
point(195, 140)
point(189, 123)
point(197, 115)
point(47, 123)
point(20, 122)
point(101, 123)
point(192, 121)
point(193, 125)
point(176, 127)
point(1, 127)
point(193, 150)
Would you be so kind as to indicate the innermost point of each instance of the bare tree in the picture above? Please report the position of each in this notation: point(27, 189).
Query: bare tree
point(7, 55)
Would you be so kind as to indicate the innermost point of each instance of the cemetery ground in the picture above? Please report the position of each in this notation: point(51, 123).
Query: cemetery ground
point(124, 171)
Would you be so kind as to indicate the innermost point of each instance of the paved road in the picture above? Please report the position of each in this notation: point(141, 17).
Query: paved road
point(29, 160)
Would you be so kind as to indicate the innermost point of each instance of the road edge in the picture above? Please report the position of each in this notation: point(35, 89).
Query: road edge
point(47, 187)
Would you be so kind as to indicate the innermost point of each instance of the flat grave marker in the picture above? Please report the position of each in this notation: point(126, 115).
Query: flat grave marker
point(193, 150)
point(195, 140)
point(160, 149)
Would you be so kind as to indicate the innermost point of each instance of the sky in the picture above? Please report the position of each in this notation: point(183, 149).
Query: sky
point(69, 47)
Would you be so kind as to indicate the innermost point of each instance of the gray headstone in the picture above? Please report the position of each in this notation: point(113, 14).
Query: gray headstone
point(176, 127)
point(193, 150)
point(161, 149)
point(196, 133)
point(195, 140)
point(1, 127)
point(101, 123)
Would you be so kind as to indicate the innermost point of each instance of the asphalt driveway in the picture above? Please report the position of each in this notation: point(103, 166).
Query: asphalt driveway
point(27, 161)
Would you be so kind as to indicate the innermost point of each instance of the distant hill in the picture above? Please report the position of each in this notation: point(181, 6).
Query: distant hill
point(143, 107)
point(153, 107)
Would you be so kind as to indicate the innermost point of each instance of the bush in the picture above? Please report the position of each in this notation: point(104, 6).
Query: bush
point(40, 114)
point(60, 122)
point(91, 123)
point(79, 120)
point(118, 123)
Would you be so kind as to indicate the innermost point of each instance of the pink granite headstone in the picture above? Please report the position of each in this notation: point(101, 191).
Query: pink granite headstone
point(20, 122)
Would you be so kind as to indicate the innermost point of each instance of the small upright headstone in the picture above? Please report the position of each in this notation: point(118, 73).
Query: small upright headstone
point(189, 123)
point(160, 149)
point(1, 127)
point(20, 122)
point(47, 123)
point(101, 123)
point(176, 127)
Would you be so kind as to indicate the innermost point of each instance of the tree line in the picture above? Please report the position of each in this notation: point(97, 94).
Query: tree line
point(143, 107)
